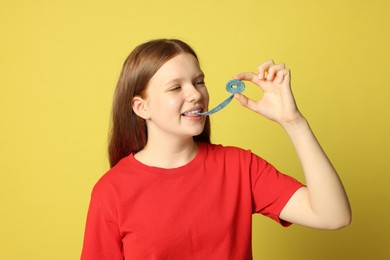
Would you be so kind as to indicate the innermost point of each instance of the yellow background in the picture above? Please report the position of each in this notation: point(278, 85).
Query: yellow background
point(59, 62)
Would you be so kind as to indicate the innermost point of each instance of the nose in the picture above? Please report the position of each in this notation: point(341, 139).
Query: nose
point(193, 94)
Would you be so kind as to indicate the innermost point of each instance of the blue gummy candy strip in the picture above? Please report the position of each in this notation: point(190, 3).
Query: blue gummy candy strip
point(240, 87)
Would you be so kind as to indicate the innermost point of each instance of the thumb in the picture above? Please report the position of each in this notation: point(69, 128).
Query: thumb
point(245, 101)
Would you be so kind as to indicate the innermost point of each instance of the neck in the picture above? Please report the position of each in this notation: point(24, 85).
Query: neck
point(168, 153)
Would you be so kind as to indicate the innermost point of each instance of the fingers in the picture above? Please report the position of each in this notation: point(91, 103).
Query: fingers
point(270, 71)
point(283, 75)
point(246, 102)
point(264, 70)
point(248, 76)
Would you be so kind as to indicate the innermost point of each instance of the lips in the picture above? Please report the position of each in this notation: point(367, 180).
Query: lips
point(192, 112)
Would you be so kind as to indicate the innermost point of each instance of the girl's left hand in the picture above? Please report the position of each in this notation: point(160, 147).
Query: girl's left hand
point(278, 102)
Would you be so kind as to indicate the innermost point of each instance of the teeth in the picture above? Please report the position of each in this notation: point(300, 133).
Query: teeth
point(195, 111)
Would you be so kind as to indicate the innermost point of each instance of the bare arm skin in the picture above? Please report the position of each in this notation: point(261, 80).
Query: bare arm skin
point(323, 203)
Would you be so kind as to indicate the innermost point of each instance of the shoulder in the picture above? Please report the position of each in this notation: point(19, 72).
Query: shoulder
point(112, 180)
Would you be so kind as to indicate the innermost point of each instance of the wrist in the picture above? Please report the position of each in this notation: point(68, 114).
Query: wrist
point(297, 125)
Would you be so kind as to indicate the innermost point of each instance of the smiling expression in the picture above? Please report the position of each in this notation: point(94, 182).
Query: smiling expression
point(174, 92)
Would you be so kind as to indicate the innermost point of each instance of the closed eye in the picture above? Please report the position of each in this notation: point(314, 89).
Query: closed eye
point(175, 88)
point(200, 83)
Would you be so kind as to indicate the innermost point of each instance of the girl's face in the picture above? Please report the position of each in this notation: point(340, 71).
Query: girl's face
point(173, 93)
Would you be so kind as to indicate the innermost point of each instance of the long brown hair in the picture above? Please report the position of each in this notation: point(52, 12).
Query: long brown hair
point(128, 131)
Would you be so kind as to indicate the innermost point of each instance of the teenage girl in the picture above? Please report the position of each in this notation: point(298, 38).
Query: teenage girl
point(171, 194)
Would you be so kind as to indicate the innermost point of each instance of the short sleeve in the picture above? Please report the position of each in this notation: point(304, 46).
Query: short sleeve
point(102, 240)
point(271, 189)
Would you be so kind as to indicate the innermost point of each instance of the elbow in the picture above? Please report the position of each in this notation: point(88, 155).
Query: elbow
point(341, 222)
point(340, 217)
point(346, 218)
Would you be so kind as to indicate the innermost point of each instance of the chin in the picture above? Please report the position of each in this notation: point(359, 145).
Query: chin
point(197, 132)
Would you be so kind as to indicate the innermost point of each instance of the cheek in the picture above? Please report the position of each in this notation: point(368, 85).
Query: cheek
point(205, 95)
point(172, 103)
point(167, 105)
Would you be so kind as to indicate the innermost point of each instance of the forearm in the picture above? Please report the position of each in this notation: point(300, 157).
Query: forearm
point(323, 204)
point(326, 194)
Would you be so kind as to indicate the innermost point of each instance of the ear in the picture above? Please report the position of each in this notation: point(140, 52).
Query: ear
point(140, 107)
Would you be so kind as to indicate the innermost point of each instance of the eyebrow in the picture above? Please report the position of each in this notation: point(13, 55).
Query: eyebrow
point(200, 75)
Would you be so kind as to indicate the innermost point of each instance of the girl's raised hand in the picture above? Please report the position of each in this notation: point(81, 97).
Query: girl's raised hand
point(278, 102)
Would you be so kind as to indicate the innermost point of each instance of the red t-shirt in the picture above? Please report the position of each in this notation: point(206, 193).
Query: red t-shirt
point(202, 210)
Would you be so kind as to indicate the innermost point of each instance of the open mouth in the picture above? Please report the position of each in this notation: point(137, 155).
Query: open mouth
point(192, 112)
